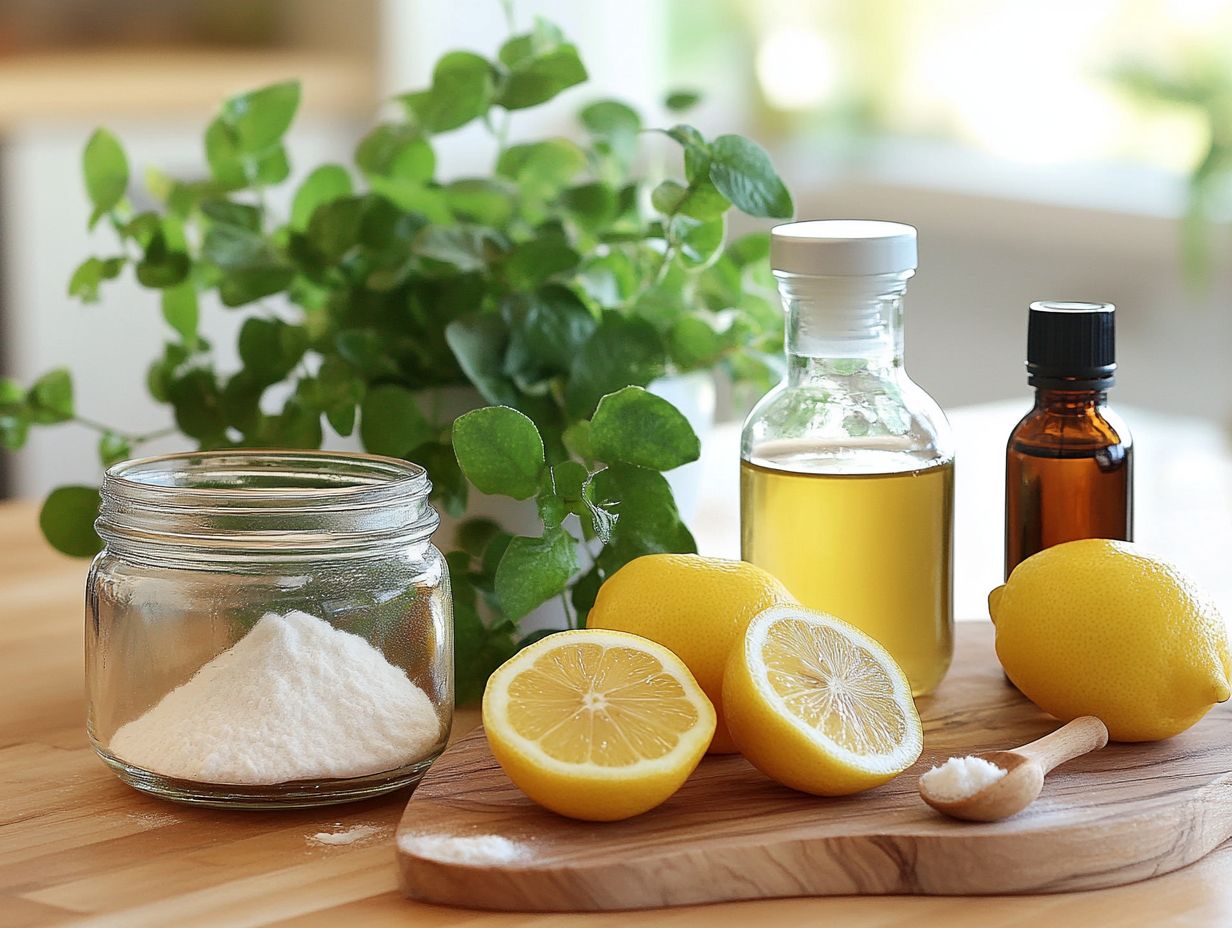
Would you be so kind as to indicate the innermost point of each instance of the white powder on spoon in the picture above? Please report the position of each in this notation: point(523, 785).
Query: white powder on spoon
point(294, 699)
point(960, 777)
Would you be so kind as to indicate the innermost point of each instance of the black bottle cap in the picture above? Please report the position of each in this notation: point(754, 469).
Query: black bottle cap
point(1071, 345)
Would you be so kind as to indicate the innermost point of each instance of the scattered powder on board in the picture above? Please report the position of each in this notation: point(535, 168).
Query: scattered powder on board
point(960, 777)
point(349, 835)
point(477, 850)
point(294, 699)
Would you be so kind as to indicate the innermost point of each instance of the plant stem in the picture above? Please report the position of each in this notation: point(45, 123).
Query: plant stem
point(570, 616)
point(507, 6)
point(131, 438)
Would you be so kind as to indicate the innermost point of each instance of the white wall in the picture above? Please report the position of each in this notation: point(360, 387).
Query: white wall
point(109, 345)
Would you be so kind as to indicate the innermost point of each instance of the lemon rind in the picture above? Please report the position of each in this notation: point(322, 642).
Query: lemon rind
point(496, 702)
point(906, 752)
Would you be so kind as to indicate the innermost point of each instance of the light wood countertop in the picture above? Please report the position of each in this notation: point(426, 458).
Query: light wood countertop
point(78, 847)
point(185, 83)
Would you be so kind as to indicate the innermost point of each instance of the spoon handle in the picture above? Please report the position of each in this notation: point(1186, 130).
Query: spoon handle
point(1073, 739)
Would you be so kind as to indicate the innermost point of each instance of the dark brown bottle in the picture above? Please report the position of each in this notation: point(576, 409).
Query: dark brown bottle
point(1069, 462)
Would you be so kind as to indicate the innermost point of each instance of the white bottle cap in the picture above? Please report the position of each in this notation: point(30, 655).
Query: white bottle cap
point(843, 247)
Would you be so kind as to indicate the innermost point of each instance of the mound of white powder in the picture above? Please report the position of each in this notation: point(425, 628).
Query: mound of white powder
point(294, 699)
point(960, 777)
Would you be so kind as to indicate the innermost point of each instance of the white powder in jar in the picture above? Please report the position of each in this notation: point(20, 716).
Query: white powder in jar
point(294, 699)
point(960, 777)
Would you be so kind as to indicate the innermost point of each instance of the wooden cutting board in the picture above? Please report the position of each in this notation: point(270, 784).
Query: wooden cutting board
point(1123, 814)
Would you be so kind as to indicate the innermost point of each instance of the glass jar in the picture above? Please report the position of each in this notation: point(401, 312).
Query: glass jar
point(267, 628)
point(847, 466)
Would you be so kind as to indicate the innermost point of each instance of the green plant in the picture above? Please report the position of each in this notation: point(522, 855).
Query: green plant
point(557, 286)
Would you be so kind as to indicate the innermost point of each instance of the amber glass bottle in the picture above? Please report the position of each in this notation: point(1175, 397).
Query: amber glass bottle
point(1069, 462)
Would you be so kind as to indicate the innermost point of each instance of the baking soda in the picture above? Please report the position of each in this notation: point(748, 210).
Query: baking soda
point(294, 699)
point(476, 850)
point(349, 835)
point(960, 777)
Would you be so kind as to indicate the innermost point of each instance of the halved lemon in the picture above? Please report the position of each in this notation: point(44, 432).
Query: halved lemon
point(597, 725)
point(818, 705)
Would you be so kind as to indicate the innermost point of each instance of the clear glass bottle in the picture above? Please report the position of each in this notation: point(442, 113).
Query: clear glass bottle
point(268, 629)
point(1069, 462)
point(847, 466)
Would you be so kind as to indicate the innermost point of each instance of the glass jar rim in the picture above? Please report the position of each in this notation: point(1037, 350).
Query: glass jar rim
point(271, 504)
point(365, 472)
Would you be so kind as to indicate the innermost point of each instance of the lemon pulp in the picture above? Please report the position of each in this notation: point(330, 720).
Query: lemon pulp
point(596, 724)
point(608, 706)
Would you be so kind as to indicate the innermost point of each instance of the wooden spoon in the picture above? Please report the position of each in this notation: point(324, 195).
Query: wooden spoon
point(1025, 769)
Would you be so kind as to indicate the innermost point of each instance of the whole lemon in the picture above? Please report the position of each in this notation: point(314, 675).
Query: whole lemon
point(697, 607)
point(1099, 627)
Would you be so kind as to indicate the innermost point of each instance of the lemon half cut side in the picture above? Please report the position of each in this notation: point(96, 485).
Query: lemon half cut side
point(597, 725)
point(818, 705)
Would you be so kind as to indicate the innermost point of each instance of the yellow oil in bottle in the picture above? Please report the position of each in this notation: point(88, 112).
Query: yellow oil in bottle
point(871, 548)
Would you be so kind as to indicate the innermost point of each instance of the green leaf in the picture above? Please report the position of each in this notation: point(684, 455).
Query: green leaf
point(413, 197)
point(743, 173)
point(391, 422)
point(161, 266)
point(481, 200)
point(106, 171)
point(541, 169)
point(532, 263)
point(700, 201)
point(260, 118)
point(197, 402)
point(478, 342)
point(181, 312)
point(637, 427)
point(478, 648)
point(680, 100)
point(220, 209)
point(753, 248)
point(519, 49)
point(113, 448)
point(234, 246)
point(366, 351)
point(449, 487)
point(466, 247)
point(577, 440)
point(51, 397)
point(620, 352)
point(270, 348)
point(647, 521)
point(327, 183)
point(334, 228)
point(592, 205)
point(90, 274)
point(536, 80)
point(222, 154)
point(246, 284)
point(546, 331)
point(606, 118)
point(297, 426)
point(534, 570)
point(500, 451)
point(339, 392)
point(699, 242)
point(462, 87)
point(694, 342)
point(474, 534)
point(568, 479)
point(396, 150)
point(67, 520)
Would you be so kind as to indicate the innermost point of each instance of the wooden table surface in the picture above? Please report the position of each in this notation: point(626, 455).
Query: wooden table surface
point(77, 847)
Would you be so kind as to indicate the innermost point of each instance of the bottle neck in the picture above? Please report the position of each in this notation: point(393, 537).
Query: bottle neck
point(1069, 402)
point(836, 325)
